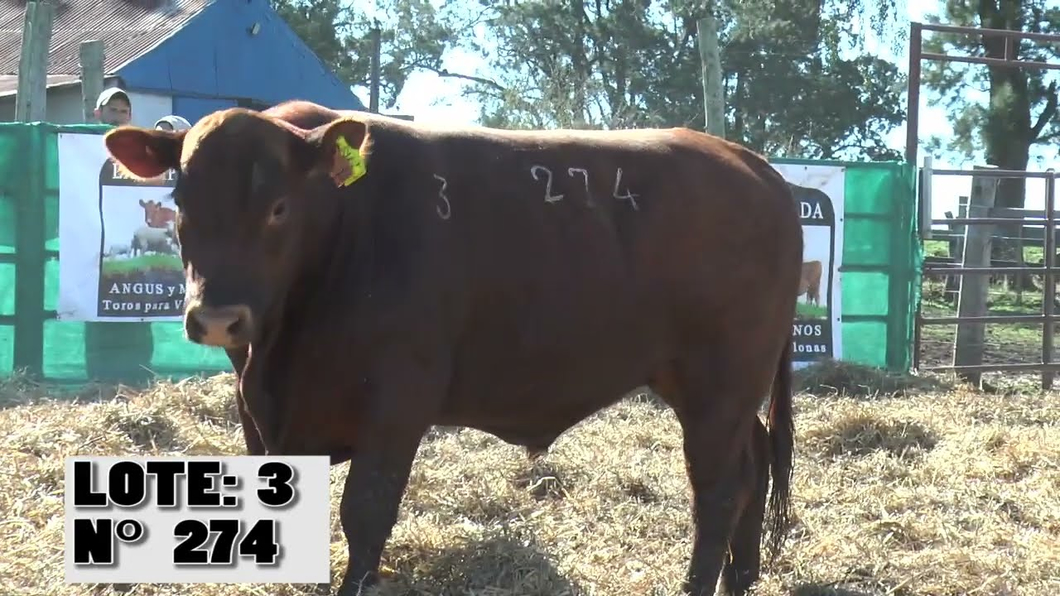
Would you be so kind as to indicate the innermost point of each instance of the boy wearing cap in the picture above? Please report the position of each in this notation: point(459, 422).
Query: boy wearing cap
point(113, 107)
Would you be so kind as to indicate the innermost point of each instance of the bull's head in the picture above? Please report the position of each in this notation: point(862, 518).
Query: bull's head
point(245, 212)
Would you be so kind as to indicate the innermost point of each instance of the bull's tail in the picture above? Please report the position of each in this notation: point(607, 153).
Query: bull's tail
point(782, 446)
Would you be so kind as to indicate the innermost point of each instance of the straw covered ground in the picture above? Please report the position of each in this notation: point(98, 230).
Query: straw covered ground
point(925, 488)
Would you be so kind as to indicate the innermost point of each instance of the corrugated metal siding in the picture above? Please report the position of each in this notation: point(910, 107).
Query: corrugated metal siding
point(128, 28)
point(192, 49)
point(9, 83)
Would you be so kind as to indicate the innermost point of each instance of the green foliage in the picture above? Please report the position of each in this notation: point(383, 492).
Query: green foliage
point(797, 76)
point(412, 37)
point(791, 87)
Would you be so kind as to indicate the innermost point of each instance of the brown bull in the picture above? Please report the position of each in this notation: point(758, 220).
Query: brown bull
point(157, 216)
point(810, 282)
point(512, 282)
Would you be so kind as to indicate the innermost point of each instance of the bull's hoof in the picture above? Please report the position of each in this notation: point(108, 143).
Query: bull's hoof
point(696, 588)
point(357, 584)
point(122, 587)
point(533, 453)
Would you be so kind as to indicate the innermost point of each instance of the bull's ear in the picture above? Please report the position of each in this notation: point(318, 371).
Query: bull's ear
point(144, 153)
point(340, 149)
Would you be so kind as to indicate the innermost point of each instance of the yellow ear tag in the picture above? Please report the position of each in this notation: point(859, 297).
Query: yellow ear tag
point(353, 157)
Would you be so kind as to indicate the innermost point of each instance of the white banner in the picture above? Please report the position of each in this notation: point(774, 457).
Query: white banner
point(120, 261)
point(118, 255)
point(820, 191)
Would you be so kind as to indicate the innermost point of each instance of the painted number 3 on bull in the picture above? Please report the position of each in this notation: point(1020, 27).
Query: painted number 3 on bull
point(246, 519)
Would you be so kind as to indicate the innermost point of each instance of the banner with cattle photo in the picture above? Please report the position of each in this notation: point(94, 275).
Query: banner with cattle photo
point(119, 256)
point(819, 191)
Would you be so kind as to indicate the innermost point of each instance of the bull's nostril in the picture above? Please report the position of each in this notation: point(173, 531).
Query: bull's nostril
point(218, 325)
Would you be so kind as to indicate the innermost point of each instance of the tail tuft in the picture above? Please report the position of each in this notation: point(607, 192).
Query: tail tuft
point(782, 446)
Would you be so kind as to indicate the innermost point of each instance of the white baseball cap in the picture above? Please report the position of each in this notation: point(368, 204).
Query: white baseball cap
point(177, 122)
point(109, 93)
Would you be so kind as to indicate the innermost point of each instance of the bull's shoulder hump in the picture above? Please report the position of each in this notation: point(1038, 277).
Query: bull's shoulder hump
point(560, 137)
point(446, 142)
point(434, 131)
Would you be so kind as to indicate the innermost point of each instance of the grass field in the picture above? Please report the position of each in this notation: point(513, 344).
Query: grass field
point(141, 263)
point(902, 487)
point(811, 311)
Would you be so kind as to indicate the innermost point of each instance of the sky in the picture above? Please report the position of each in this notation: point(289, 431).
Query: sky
point(434, 99)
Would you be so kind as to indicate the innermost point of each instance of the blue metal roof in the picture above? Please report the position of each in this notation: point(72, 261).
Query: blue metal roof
point(219, 54)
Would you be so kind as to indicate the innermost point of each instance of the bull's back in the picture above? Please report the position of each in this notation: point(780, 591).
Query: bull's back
point(620, 213)
point(582, 254)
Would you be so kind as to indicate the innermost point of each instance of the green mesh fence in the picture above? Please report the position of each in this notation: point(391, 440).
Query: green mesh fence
point(30, 336)
point(880, 279)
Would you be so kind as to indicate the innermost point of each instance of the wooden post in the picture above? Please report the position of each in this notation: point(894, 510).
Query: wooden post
point(956, 247)
point(31, 101)
point(710, 56)
point(926, 182)
point(1048, 279)
point(114, 352)
point(32, 95)
point(377, 50)
point(91, 76)
point(972, 300)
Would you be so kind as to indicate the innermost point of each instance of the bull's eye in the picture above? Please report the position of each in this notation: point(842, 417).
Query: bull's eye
point(278, 213)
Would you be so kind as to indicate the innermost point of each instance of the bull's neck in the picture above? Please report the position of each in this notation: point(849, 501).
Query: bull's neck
point(336, 251)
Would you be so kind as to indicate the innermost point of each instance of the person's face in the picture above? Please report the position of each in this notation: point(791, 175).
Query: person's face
point(116, 112)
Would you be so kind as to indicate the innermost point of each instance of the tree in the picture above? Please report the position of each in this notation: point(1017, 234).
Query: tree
point(1021, 109)
point(413, 36)
point(623, 63)
point(794, 92)
point(791, 87)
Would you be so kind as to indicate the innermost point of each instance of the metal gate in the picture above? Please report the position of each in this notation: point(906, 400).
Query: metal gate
point(1045, 218)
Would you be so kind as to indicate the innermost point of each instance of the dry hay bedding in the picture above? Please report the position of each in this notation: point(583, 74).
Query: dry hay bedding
point(934, 492)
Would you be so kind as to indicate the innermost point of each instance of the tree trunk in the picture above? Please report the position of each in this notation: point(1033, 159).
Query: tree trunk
point(1007, 133)
point(580, 66)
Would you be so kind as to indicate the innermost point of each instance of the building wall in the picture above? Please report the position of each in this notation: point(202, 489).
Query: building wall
point(147, 108)
point(65, 107)
point(216, 56)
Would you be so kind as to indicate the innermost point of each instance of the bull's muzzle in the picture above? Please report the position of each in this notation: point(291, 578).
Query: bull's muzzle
point(220, 326)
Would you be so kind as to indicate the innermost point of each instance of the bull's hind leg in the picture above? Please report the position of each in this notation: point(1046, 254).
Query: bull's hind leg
point(713, 462)
point(743, 566)
point(715, 394)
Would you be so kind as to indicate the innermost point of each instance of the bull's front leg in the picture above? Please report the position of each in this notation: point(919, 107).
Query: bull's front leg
point(401, 395)
point(369, 509)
